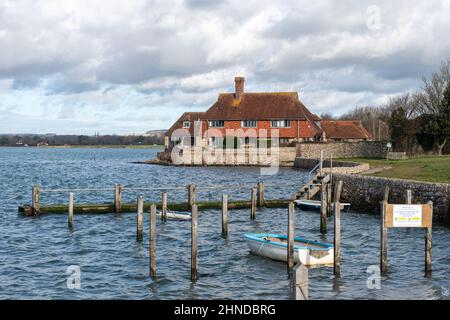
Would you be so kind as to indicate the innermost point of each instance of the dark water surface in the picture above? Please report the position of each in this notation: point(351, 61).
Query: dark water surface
point(35, 252)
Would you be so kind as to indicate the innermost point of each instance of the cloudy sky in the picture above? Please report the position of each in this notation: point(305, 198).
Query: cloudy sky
point(131, 66)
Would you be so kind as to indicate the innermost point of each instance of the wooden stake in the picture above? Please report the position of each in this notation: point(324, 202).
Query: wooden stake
point(408, 196)
point(153, 241)
point(35, 200)
point(224, 215)
point(386, 194)
point(164, 207)
point(140, 218)
point(300, 282)
point(329, 200)
point(70, 210)
point(191, 195)
point(253, 205)
point(291, 231)
point(323, 209)
point(337, 228)
point(117, 198)
point(384, 239)
point(194, 242)
point(261, 199)
point(428, 246)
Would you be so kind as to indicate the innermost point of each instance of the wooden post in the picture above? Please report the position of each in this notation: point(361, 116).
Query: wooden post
point(261, 199)
point(300, 282)
point(384, 239)
point(337, 228)
point(153, 241)
point(191, 195)
point(386, 194)
point(140, 218)
point(36, 200)
point(321, 163)
point(224, 215)
point(428, 245)
point(117, 197)
point(194, 242)
point(164, 207)
point(71, 210)
point(329, 199)
point(408, 196)
point(323, 208)
point(291, 231)
point(253, 205)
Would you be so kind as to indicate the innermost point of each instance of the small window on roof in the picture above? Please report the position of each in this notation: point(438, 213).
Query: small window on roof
point(186, 124)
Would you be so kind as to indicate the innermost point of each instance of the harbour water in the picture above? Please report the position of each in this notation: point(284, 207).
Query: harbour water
point(36, 252)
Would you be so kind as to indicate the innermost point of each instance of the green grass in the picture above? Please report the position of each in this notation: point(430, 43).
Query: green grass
point(423, 168)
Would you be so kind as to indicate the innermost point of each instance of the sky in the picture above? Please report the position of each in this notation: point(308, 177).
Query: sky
point(81, 67)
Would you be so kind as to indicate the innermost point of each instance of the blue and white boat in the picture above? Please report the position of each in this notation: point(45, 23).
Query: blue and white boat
point(172, 215)
point(274, 246)
point(315, 205)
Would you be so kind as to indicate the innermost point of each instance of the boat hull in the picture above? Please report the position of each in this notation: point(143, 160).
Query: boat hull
point(321, 254)
point(176, 216)
point(315, 205)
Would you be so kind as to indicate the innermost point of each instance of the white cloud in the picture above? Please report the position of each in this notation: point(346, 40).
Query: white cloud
point(129, 66)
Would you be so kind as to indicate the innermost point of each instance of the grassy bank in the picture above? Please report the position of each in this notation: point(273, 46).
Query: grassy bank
point(111, 147)
point(424, 168)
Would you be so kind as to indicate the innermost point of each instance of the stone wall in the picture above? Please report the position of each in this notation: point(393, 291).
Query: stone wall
point(368, 149)
point(365, 193)
point(342, 167)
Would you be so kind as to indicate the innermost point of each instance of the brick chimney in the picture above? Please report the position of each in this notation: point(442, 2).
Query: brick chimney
point(239, 87)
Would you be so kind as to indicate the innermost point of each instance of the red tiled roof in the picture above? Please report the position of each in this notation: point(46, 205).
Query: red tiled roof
point(187, 116)
point(344, 130)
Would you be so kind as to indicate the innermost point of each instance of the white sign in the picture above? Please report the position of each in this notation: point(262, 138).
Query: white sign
point(407, 215)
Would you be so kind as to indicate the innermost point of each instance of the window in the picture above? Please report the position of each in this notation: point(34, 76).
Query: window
point(216, 123)
point(186, 124)
point(249, 124)
point(281, 124)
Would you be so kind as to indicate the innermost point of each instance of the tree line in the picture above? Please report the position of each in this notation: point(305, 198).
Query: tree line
point(415, 122)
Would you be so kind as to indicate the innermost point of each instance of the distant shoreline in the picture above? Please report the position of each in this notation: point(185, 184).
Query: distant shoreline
point(94, 147)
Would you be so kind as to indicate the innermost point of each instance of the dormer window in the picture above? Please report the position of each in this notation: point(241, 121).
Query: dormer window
point(186, 124)
point(281, 124)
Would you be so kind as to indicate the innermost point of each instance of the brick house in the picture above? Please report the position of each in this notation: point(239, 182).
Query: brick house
point(261, 112)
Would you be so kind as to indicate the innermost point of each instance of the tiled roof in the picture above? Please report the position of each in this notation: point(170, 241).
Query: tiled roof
point(187, 116)
point(344, 130)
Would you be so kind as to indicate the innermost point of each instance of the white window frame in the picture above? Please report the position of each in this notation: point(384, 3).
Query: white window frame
point(245, 126)
point(186, 124)
point(280, 123)
point(214, 123)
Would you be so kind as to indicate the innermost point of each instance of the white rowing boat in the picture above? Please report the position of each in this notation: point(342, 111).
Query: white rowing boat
point(274, 246)
point(171, 215)
point(315, 205)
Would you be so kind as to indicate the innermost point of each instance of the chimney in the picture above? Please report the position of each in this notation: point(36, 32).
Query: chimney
point(239, 87)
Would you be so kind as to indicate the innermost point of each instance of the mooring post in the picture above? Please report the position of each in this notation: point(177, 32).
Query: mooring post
point(291, 231)
point(261, 199)
point(321, 163)
point(140, 218)
point(329, 199)
point(337, 228)
point(408, 196)
point(224, 215)
point(323, 208)
point(36, 200)
point(253, 205)
point(299, 282)
point(153, 240)
point(117, 197)
point(70, 210)
point(428, 245)
point(191, 195)
point(384, 238)
point(194, 242)
point(164, 207)
point(386, 194)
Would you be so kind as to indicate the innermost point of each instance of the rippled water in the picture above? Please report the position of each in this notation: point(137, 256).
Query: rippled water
point(35, 252)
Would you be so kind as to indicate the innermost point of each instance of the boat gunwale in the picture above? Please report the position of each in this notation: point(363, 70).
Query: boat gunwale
point(258, 238)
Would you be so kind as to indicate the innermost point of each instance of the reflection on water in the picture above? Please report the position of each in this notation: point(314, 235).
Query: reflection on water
point(35, 252)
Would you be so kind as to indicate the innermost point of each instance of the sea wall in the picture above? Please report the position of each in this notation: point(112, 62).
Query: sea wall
point(365, 193)
point(342, 167)
point(368, 149)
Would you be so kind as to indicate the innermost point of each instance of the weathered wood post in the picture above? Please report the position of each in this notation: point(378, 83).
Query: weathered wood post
point(224, 215)
point(194, 242)
point(117, 197)
point(408, 196)
point(291, 231)
point(337, 228)
point(428, 245)
point(70, 210)
point(191, 195)
point(253, 205)
point(139, 218)
point(321, 163)
point(300, 282)
point(153, 240)
point(36, 200)
point(323, 208)
point(386, 194)
point(384, 238)
point(164, 207)
point(329, 199)
point(261, 199)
